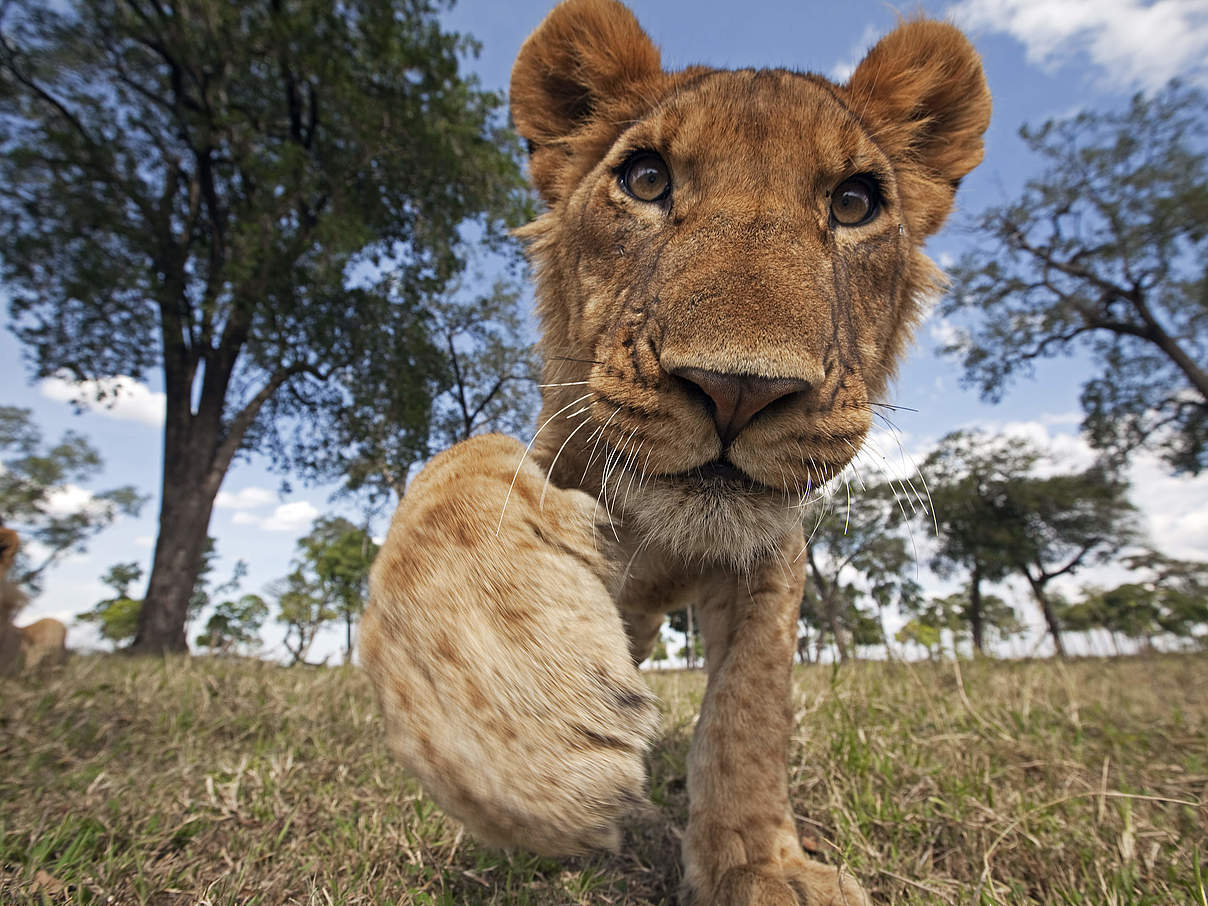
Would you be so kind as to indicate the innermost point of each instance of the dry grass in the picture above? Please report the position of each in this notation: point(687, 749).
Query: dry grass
point(209, 781)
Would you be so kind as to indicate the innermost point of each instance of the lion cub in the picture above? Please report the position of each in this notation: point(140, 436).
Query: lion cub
point(728, 270)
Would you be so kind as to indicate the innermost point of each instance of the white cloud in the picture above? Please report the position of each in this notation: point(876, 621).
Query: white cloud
point(1135, 44)
point(944, 332)
point(290, 517)
point(1175, 508)
point(117, 397)
point(285, 517)
point(71, 498)
point(842, 70)
point(1064, 452)
point(1069, 419)
point(249, 498)
point(144, 541)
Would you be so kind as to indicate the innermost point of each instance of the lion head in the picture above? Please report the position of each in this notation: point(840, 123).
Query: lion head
point(730, 265)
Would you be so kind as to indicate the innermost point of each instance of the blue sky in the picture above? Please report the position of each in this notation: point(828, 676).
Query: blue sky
point(1043, 59)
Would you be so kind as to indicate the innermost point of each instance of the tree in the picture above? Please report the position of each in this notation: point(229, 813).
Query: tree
point(1169, 597)
point(490, 382)
point(304, 612)
point(968, 476)
point(1105, 251)
point(658, 654)
point(931, 621)
point(950, 614)
point(202, 593)
point(692, 652)
point(492, 362)
point(40, 496)
point(256, 202)
point(1180, 588)
point(335, 556)
point(995, 515)
point(116, 618)
point(1062, 524)
point(857, 550)
point(234, 624)
point(684, 621)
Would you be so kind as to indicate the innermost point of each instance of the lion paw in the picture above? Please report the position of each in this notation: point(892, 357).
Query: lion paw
point(500, 661)
point(806, 883)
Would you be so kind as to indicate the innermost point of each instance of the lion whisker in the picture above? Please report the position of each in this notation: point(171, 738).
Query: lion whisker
point(592, 457)
point(822, 514)
point(549, 471)
point(629, 467)
point(523, 455)
point(929, 506)
point(616, 462)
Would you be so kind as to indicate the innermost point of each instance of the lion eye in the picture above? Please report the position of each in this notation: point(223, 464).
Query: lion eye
point(646, 177)
point(854, 201)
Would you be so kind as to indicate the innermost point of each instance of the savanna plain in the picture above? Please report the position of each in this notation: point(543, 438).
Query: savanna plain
point(230, 781)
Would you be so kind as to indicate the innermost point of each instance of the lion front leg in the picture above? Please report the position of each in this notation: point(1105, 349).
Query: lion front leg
point(500, 662)
point(741, 847)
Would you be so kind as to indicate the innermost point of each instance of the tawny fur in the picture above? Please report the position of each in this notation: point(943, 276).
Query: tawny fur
point(43, 642)
point(12, 600)
point(24, 647)
point(515, 593)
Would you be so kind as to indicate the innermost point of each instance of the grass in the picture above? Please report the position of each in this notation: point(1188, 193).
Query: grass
point(219, 782)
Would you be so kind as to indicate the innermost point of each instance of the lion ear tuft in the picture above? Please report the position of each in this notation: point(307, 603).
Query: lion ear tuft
point(587, 67)
point(922, 91)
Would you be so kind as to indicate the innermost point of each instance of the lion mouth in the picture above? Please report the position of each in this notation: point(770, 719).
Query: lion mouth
point(720, 474)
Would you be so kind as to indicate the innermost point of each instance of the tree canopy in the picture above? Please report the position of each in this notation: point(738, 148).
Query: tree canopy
point(116, 618)
point(968, 476)
point(234, 625)
point(40, 494)
point(254, 202)
point(997, 513)
point(335, 557)
point(1107, 252)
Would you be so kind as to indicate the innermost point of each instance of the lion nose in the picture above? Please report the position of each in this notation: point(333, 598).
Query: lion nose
point(738, 398)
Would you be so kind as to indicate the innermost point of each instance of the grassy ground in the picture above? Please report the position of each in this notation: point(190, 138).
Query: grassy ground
point(215, 782)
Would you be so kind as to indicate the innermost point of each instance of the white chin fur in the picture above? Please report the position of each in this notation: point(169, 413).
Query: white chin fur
point(711, 522)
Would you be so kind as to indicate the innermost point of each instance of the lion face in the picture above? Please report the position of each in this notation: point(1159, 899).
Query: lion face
point(730, 265)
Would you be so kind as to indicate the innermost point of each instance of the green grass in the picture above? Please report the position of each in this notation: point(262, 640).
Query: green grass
point(220, 782)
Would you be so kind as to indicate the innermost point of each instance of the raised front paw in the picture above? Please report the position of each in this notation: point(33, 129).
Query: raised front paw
point(500, 661)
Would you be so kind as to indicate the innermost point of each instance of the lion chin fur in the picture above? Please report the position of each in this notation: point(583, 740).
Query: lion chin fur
point(728, 270)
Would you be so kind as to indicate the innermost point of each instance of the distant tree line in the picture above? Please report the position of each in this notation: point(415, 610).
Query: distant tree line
point(988, 509)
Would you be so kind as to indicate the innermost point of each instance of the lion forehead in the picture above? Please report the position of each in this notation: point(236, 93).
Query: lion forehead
point(742, 132)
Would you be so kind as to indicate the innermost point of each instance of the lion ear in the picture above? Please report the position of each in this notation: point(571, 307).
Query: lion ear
point(587, 71)
point(923, 93)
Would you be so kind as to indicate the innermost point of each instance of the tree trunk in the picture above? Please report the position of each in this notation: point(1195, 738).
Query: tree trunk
point(836, 628)
point(199, 447)
point(1046, 608)
point(975, 609)
point(196, 457)
point(690, 642)
point(186, 502)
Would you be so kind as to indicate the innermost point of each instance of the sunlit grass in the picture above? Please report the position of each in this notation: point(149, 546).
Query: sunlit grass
point(212, 781)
